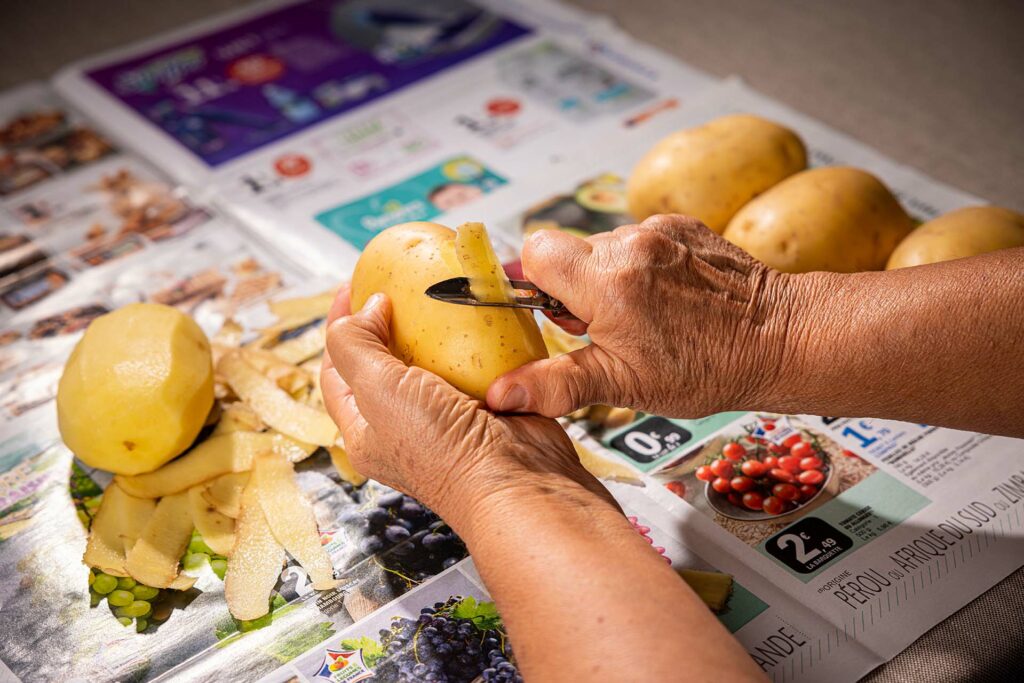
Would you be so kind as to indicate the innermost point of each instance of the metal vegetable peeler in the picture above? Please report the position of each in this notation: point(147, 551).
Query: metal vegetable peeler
point(457, 291)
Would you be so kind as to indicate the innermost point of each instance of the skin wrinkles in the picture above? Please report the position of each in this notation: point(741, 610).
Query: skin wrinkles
point(682, 324)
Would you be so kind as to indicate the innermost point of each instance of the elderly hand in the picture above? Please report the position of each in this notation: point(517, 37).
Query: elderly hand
point(411, 430)
point(682, 323)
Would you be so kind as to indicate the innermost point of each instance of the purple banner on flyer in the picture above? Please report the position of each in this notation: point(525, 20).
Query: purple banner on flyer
point(235, 89)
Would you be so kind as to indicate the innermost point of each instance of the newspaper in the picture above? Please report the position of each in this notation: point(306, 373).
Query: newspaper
point(253, 155)
point(408, 134)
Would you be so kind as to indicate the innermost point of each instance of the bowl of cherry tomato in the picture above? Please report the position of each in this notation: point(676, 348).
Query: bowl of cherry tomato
point(752, 479)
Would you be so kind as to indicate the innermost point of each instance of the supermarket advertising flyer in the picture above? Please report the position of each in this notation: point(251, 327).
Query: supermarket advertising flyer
point(227, 93)
point(534, 99)
point(235, 169)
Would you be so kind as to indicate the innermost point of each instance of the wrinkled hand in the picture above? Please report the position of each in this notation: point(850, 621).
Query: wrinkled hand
point(682, 322)
point(411, 430)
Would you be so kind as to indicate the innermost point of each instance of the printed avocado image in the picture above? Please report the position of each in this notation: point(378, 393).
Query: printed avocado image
point(596, 205)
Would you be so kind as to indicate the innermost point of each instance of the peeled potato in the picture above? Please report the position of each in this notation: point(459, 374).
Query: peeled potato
point(836, 218)
point(468, 346)
point(710, 171)
point(958, 234)
point(136, 390)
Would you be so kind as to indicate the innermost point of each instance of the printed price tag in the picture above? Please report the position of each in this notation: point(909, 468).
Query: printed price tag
point(808, 545)
point(651, 439)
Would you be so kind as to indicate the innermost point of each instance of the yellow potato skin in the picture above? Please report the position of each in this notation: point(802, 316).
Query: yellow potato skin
point(136, 390)
point(710, 171)
point(836, 218)
point(468, 346)
point(961, 233)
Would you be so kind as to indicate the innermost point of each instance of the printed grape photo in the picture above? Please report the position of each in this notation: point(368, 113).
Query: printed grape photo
point(446, 630)
point(761, 474)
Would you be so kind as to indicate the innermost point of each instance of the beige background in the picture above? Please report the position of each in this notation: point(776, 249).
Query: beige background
point(936, 84)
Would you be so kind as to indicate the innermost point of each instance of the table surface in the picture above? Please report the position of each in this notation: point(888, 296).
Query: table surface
point(935, 85)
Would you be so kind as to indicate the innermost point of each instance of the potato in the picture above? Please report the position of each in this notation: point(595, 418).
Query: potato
point(469, 346)
point(136, 390)
point(712, 170)
point(965, 232)
point(836, 219)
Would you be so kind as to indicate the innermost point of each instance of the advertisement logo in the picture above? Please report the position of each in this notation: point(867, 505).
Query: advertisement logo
point(503, 106)
point(344, 666)
point(161, 72)
point(256, 69)
point(293, 165)
point(453, 183)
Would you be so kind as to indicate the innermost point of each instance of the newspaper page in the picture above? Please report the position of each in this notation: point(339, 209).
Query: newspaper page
point(437, 105)
point(897, 526)
point(900, 525)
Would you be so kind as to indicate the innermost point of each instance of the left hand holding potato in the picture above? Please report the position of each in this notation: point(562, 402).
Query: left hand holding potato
point(411, 430)
point(569, 574)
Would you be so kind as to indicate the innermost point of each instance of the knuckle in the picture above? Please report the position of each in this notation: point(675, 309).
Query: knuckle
point(674, 224)
point(575, 389)
point(648, 246)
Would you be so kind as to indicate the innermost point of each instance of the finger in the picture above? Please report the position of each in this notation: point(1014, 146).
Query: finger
point(559, 263)
point(338, 398)
point(560, 385)
point(358, 348)
point(342, 304)
point(570, 324)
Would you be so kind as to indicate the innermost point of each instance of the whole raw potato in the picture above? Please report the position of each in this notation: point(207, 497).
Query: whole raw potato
point(712, 170)
point(835, 218)
point(136, 390)
point(468, 346)
point(958, 234)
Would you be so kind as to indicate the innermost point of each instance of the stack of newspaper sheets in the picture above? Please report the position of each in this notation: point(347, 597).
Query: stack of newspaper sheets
point(254, 155)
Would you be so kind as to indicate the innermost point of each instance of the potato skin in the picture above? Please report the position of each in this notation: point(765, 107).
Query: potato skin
point(961, 233)
point(710, 171)
point(468, 346)
point(136, 390)
point(836, 218)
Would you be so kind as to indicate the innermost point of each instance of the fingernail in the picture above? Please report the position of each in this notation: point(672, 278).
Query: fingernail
point(516, 399)
point(373, 301)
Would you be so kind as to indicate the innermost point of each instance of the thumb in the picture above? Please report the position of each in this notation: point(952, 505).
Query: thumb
point(560, 385)
point(559, 264)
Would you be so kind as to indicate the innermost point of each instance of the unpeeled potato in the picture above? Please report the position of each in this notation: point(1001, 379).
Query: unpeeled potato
point(136, 390)
point(710, 171)
point(468, 346)
point(958, 234)
point(835, 218)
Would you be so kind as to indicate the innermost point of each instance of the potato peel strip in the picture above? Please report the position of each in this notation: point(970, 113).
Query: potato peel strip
point(217, 455)
point(344, 466)
point(119, 517)
point(217, 529)
point(308, 344)
point(274, 406)
point(153, 559)
point(256, 560)
point(480, 264)
point(315, 306)
point(225, 493)
point(291, 517)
